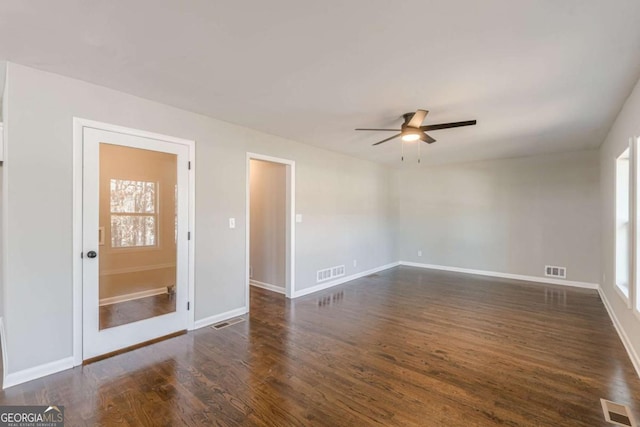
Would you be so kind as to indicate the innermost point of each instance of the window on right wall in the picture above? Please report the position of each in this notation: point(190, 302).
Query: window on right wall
point(623, 229)
point(634, 294)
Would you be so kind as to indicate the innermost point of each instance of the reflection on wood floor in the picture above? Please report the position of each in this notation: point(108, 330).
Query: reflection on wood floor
point(138, 309)
point(402, 347)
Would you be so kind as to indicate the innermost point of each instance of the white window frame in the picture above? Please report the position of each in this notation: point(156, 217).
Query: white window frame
point(634, 294)
point(155, 214)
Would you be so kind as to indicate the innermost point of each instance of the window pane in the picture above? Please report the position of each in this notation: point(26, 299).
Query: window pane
point(622, 260)
point(622, 223)
point(133, 230)
point(133, 196)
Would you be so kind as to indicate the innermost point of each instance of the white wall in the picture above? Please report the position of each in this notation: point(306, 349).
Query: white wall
point(627, 125)
point(345, 203)
point(268, 222)
point(508, 216)
point(511, 216)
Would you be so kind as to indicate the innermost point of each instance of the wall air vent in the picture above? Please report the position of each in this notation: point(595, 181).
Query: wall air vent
point(324, 275)
point(337, 271)
point(330, 273)
point(555, 271)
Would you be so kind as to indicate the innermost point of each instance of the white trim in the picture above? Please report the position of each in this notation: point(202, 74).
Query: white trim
point(85, 123)
point(340, 281)
point(132, 296)
point(625, 298)
point(78, 125)
point(192, 230)
point(537, 279)
point(1, 143)
point(291, 219)
point(136, 269)
point(268, 286)
point(212, 320)
point(635, 360)
point(631, 234)
point(5, 222)
point(3, 343)
point(37, 372)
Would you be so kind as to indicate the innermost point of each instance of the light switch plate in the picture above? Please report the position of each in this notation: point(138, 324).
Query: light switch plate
point(298, 217)
point(232, 223)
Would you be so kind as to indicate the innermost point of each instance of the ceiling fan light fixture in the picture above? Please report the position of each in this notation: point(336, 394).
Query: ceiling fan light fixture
point(411, 137)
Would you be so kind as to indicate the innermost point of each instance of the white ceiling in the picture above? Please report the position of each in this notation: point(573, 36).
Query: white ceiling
point(540, 76)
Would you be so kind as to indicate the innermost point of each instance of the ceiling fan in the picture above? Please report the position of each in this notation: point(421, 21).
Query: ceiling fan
point(413, 130)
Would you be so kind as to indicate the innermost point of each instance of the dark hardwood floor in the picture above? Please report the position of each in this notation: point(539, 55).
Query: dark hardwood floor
point(138, 309)
point(402, 347)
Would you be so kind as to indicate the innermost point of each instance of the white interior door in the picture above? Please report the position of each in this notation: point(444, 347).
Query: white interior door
point(135, 245)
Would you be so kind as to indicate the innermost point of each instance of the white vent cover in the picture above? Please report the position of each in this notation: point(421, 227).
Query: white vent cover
point(555, 271)
point(618, 414)
point(324, 275)
point(330, 273)
point(337, 271)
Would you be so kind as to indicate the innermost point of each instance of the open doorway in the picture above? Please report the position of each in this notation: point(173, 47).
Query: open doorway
point(270, 219)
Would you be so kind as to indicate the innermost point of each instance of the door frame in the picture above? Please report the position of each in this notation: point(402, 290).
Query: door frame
point(78, 126)
point(290, 251)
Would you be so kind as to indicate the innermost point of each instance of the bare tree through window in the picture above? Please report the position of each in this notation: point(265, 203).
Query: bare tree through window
point(133, 213)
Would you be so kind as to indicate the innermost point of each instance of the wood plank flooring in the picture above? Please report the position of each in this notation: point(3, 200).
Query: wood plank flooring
point(138, 309)
point(402, 347)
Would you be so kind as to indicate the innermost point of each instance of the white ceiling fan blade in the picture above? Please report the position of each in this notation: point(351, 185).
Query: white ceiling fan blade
point(417, 119)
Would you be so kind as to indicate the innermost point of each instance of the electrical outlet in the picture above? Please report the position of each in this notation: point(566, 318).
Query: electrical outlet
point(355, 263)
point(419, 253)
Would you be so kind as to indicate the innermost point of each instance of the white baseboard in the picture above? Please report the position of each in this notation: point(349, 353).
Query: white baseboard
point(212, 320)
point(137, 269)
point(548, 280)
point(43, 370)
point(633, 355)
point(268, 286)
point(132, 296)
point(323, 286)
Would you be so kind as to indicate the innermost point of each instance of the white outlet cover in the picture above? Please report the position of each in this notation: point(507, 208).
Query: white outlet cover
point(298, 218)
point(232, 223)
point(419, 253)
point(355, 263)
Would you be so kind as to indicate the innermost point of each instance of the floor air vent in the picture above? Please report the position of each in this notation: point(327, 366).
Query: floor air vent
point(617, 414)
point(228, 323)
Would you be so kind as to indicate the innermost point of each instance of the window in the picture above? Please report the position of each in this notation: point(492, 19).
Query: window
point(134, 215)
point(622, 223)
point(635, 185)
